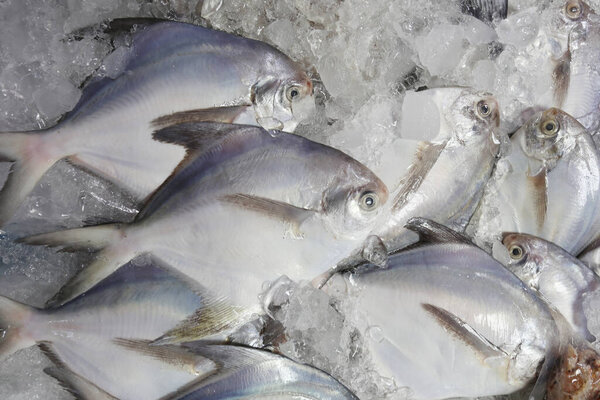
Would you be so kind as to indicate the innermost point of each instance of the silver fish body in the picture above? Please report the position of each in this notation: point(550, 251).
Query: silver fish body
point(561, 279)
point(547, 185)
point(248, 207)
point(571, 30)
point(135, 302)
point(175, 73)
point(449, 313)
point(448, 174)
point(245, 372)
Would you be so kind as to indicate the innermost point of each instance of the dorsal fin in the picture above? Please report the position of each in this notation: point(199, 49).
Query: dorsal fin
point(197, 136)
point(207, 143)
point(430, 231)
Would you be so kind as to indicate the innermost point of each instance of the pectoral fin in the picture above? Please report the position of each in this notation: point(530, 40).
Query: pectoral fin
point(458, 328)
point(425, 158)
point(539, 193)
point(216, 114)
point(287, 213)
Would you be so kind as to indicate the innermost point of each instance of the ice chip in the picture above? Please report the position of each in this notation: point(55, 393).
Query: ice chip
point(420, 117)
point(442, 48)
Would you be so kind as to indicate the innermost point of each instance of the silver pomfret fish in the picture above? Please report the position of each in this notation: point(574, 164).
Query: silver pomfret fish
point(135, 302)
point(175, 73)
point(559, 277)
point(446, 312)
point(447, 177)
point(568, 39)
point(245, 208)
point(547, 185)
point(248, 373)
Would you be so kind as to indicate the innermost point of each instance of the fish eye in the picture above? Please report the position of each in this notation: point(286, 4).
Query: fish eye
point(368, 201)
point(550, 127)
point(292, 92)
point(483, 109)
point(515, 252)
point(573, 9)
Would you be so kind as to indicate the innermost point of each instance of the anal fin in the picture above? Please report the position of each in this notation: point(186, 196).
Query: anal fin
point(216, 114)
point(174, 355)
point(215, 317)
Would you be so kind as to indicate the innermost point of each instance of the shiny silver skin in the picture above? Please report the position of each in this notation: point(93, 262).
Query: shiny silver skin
point(547, 185)
point(502, 331)
point(246, 208)
point(250, 373)
point(135, 302)
point(573, 32)
point(561, 279)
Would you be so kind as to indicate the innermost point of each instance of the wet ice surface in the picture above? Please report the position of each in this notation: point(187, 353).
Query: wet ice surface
point(363, 55)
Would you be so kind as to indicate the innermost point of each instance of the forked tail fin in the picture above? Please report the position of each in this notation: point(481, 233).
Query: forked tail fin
point(110, 239)
point(13, 317)
point(32, 158)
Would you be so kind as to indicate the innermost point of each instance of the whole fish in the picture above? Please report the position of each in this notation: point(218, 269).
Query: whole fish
point(135, 302)
point(246, 206)
point(447, 320)
point(547, 185)
point(448, 174)
point(174, 73)
point(248, 373)
point(561, 60)
point(576, 76)
point(561, 279)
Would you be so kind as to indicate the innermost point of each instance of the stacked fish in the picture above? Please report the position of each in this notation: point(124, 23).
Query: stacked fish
point(231, 198)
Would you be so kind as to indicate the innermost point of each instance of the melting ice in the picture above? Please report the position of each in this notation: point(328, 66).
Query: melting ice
point(365, 56)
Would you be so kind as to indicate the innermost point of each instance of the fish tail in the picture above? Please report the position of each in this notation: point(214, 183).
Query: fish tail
point(31, 157)
point(13, 317)
point(115, 250)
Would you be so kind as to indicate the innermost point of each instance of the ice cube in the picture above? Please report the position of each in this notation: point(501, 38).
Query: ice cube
point(442, 48)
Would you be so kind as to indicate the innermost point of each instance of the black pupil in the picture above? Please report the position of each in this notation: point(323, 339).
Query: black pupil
point(549, 126)
point(484, 109)
point(574, 10)
point(516, 251)
point(369, 201)
point(294, 93)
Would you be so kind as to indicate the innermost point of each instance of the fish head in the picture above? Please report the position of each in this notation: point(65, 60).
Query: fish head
point(526, 256)
point(282, 103)
point(475, 118)
point(354, 200)
point(547, 137)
